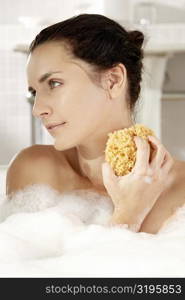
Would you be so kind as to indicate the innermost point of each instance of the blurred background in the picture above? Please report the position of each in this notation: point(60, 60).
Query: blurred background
point(162, 101)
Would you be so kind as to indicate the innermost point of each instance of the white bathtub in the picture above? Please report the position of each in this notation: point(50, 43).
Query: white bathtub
point(3, 170)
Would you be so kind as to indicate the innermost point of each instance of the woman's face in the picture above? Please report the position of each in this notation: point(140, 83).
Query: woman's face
point(66, 96)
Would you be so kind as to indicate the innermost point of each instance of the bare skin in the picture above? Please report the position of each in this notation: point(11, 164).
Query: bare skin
point(90, 111)
point(67, 175)
point(166, 205)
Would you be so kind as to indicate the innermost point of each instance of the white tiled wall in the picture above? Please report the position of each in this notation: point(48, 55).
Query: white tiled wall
point(15, 117)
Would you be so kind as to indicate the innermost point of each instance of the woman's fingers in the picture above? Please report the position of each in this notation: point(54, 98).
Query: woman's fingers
point(151, 157)
point(160, 152)
point(142, 156)
point(168, 162)
point(162, 158)
point(108, 174)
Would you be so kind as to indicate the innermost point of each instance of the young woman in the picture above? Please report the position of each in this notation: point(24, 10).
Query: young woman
point(85, 74)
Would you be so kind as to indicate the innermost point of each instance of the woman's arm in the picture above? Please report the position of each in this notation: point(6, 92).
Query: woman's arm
point(135, 194)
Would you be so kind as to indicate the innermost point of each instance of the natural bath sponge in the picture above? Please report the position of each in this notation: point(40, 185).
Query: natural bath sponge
point(120, 151)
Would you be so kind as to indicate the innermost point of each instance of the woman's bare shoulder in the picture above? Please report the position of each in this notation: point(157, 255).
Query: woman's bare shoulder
point(178, 185)
point(175, 194)
point(179, 182)
point(180, 168)
point(169, 201)
point(37, 164)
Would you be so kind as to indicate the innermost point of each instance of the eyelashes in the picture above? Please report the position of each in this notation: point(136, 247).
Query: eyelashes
point(53, 81)
point(50, 83)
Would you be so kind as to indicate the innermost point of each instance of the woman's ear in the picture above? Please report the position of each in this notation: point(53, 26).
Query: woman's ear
point(114, 80)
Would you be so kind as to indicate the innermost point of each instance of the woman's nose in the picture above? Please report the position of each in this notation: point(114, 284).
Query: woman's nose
point(40, 110)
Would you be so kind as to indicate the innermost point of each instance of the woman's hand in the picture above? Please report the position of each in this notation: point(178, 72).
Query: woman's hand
point(134, 194)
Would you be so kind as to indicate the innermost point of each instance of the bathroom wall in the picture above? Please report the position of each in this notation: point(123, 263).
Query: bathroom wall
point(42, 9)
point(15, 117)
point(16, 27)
point(173, 126)
point(15, 112)
point(167, 11)
point(173, 106)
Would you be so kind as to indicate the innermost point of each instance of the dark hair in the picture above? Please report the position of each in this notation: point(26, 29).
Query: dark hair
point(101, 42)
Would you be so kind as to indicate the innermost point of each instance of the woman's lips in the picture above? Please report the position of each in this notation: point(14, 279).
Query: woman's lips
point(55, 127)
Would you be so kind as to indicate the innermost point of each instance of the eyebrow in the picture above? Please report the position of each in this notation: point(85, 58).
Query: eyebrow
point(43, 78)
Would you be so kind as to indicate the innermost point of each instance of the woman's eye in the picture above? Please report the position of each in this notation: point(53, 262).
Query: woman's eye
point(53, 82)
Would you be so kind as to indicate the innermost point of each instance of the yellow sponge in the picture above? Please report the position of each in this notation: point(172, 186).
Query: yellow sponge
point(120, 151)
